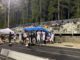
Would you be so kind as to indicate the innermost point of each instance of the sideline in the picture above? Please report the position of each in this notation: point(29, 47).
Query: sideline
point(64, 45)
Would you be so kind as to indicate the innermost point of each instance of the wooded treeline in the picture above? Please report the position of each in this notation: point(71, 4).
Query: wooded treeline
point(39, 10)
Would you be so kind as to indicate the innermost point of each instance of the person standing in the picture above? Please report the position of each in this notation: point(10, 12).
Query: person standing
point(3, 38)
point(43, 36)
point(10, 38)
point(52, 38)
point(15, 37)
point(24, 37)
point(1, 42)
point(38, 36)
point(20, 37)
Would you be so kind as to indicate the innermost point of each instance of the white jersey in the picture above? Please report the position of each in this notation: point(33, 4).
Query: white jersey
point(38, 35)
point(24, 35)
point(20, 37)
point(43, 35)
point(52, 37)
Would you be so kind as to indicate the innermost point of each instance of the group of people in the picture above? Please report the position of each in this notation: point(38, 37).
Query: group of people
point(33, 37)
point(43, 37)
point(36, 37)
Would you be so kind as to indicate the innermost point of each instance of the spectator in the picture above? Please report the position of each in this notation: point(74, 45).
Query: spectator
point(20, 37)
point(52, 38)
point(1, 42)
point(15, 37)
point(10, 38)
point(38, 36)
point(43, 36)
point(24, 38)
point(3, 38)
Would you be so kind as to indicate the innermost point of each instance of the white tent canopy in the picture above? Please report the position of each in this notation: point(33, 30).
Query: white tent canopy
point(6, 31)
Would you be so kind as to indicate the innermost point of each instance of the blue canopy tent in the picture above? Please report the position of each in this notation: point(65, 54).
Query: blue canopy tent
point(38, 28)
point(29, 29)
point(41, 29)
